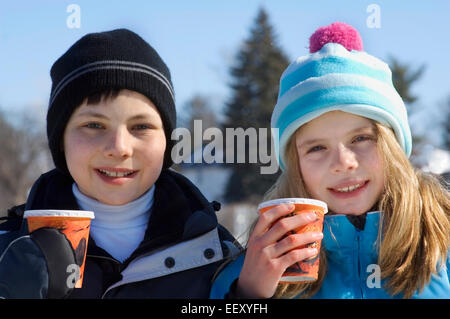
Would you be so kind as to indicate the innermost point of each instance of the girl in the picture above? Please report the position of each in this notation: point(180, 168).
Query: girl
point(344, 139)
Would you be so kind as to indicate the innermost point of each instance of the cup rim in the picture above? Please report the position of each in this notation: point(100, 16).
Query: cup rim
point(294, 200)
point(58, 213)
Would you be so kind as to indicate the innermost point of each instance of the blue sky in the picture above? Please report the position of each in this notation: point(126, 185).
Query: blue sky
point(199, 39)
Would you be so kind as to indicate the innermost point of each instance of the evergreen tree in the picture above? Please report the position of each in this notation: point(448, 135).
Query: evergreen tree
point(255, 81)
point(403, 77)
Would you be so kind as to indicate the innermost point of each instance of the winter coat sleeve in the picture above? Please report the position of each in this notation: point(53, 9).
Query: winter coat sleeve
point(35, 266)
point(439, 286)
point(224, 284)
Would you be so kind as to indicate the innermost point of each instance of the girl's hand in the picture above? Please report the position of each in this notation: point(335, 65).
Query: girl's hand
point(267, 256)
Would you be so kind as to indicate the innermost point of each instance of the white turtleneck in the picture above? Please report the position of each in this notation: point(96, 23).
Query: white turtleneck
point(117, 229)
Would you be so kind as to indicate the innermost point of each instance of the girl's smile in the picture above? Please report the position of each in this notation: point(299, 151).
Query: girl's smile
point(348, 189)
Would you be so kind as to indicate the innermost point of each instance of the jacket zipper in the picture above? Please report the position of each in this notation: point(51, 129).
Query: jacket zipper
point(358, 237)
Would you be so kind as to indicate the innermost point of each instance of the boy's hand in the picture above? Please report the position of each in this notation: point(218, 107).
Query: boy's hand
point(35, 266)
point(269, 254)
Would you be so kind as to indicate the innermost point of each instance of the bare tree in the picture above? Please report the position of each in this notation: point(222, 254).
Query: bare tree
point(199, 107)
point(24, 156)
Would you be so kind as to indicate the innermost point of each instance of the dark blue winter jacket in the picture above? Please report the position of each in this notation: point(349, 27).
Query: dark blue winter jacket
point(182, 249)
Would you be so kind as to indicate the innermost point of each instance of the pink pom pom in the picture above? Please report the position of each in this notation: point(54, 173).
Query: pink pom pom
point(337, 32)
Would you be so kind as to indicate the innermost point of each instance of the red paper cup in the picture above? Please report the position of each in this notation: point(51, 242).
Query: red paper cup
point(306, 270)
point(75, 224)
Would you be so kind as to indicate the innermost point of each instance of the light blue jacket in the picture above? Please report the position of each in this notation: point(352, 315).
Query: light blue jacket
point(352, 270)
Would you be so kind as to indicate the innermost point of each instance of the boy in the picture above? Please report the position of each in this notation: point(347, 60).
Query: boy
point(109, 123)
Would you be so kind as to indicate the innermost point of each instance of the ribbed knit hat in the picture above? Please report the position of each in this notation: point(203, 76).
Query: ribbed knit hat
point(98, 62)
point(337, 75)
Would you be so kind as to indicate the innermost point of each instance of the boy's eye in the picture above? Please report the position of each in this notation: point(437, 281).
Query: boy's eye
point(140, 127)
point(94, 125)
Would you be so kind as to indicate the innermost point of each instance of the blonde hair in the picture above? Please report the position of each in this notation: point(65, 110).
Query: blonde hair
point(414, 228)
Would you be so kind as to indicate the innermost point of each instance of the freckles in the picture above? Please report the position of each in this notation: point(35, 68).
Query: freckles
point(307, 174)
point(79, 147)
point(375, 161)
point(154, 146)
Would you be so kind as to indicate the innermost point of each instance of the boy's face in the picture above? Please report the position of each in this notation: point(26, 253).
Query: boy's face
point(339, 162)
point(115, 149)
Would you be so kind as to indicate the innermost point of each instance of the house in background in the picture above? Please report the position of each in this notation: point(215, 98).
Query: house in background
point(210, 178)
point(436, 161)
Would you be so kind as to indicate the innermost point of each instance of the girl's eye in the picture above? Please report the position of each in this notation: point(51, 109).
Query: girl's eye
point(362, 138)
point(316, 149)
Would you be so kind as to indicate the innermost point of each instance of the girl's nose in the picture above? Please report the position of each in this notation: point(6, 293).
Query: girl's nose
point(118, 144)
point(343, 160)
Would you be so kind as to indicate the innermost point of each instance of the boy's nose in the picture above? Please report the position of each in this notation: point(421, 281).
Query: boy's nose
point(118, 144)
point(343, 159)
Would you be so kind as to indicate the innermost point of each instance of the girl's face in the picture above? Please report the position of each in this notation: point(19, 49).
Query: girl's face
point(339, 162)
point(115, 149)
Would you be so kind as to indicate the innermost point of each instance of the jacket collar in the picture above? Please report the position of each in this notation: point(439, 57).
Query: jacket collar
point(52, 190)
point(180, 212)
point(342, 238)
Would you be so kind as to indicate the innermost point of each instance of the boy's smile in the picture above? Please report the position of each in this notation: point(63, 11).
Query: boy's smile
point(339, 162)
point(116, 176)
point(115, 149)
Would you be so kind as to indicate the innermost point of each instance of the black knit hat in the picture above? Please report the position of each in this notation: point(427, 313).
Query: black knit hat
point(99, 62)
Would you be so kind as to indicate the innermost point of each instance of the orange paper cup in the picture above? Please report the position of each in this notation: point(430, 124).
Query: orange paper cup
point(306, 270)
point(74, 224)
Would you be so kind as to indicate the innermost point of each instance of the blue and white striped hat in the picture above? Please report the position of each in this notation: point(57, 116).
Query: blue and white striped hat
point(335, 78)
